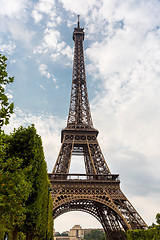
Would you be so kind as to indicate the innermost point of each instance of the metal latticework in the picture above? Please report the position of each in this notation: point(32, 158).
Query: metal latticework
point(79, 112)
point(81, 143)
point(96, 192)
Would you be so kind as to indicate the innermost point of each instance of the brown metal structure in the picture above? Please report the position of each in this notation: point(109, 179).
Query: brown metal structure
point(98, 191)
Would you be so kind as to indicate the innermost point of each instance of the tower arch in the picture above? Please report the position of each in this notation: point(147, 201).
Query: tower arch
point(86, 202)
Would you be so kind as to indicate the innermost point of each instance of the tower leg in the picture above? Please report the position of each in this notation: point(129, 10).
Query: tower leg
point(110, 223)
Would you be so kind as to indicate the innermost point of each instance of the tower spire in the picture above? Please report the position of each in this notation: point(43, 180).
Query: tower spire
point(78, 22)
point(79, 111)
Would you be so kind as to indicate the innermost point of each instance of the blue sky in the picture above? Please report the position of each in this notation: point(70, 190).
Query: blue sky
point(122, 56)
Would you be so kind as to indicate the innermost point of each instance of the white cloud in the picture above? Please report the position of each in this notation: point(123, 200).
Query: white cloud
point(37, 16)
point(13, 18)
point(55, 56)
point(7, 47)
point(44, 7)
point(52, 43)
point(42, 69)
point(68, 51)
point(9, 94)
point(20, 32)
point(124, 52)
point(51, 39)
point(80, 7)
point(13, 8)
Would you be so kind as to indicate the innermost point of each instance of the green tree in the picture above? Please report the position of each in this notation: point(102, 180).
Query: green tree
point(26, 144)
point(95, 234)
point(152, 233)
point(64, 234)
point(14, 190)
point(6, 108)
point(158, 218)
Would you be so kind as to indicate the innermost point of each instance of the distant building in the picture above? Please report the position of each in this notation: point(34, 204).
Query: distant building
point(76, 233)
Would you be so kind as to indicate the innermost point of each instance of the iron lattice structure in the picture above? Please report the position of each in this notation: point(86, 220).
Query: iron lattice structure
point(98, 191)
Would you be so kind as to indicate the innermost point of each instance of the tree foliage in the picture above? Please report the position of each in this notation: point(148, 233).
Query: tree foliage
point(153, 233)
point(95, 234)
point(158, 218)
point(14, 189)
point(150, 234)
point(25, 157)
point(6, 108)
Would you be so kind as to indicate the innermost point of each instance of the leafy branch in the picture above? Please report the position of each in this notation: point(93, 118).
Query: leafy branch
point(6, 108)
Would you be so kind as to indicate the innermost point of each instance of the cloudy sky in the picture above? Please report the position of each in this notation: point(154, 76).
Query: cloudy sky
point(122, 56)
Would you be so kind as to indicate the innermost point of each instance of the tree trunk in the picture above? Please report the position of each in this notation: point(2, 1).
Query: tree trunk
point(15, 234)
point(29, 236)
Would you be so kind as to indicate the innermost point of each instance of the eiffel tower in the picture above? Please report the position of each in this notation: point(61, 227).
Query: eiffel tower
point(98, 191)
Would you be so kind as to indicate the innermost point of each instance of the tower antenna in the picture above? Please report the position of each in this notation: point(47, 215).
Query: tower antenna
point(78, 21)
